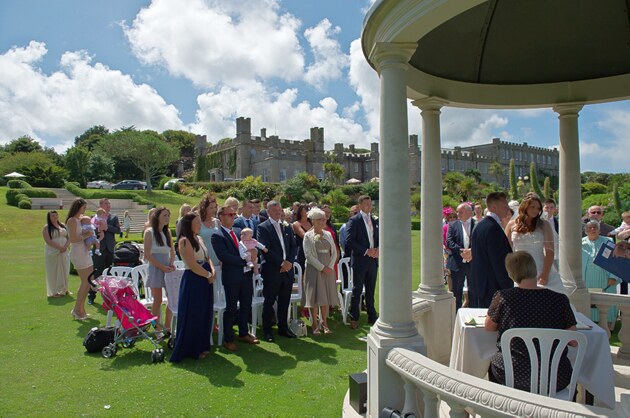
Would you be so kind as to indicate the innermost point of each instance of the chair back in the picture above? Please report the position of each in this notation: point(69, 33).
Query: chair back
point(179, 264)
point(118, 271)
point(345, 273)
point(139, 276)
point(217, 287)
point(297, 277)
point(546, 339)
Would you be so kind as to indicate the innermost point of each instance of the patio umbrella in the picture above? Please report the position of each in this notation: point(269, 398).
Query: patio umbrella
point(353, 181)
point(15, 175)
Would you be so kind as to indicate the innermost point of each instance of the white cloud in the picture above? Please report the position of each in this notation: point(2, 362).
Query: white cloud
point(610, 149)
point(276, 111)
point(218, 41)
point(67, 102)
point(365, 82)
point(329, 59)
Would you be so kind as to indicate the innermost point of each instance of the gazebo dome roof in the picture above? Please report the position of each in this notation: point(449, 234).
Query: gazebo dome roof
point(508, 53)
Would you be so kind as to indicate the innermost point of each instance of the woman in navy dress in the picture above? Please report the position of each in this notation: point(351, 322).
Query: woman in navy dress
point(196, 295)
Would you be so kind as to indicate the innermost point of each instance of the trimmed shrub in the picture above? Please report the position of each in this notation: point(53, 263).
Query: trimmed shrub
point(163, 181)
point(340, 213)
point(24, 204)
point(18, 184)
point(371, 189)
point(415, 224)
point(13, 199)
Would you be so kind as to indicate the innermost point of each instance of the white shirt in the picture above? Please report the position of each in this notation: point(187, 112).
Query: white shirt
point(466, 235)
point(369, 226)
point(278, 229)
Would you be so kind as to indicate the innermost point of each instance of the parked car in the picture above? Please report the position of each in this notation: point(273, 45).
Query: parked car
point(168, 184)
point(130, 185)
point(100, 184)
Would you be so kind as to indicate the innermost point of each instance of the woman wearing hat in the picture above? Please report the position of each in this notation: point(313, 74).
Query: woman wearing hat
point(320, 289)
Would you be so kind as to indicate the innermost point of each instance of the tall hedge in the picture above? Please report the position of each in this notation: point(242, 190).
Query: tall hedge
point(18, 184)
point(13, 199)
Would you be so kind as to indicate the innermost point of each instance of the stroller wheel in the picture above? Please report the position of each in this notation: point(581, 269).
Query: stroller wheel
point(171, 343)
point(109, 351)
point(157, 355)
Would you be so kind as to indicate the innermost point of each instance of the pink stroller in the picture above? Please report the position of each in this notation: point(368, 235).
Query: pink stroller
point(133, 319)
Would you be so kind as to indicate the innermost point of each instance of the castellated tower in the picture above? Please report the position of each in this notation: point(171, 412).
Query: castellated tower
point(243, 144)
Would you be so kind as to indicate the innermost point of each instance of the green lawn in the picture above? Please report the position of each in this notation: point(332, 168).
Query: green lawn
point(46, 371)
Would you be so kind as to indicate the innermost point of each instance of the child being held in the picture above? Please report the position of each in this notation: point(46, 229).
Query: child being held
point(624, 225)
point(247, 247)
point(93, 239)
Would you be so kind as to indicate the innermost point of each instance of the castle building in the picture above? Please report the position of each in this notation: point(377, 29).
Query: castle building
point(276, 159)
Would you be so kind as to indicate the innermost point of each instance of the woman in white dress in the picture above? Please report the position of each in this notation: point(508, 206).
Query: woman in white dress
point(57, 256)
point(528, 232)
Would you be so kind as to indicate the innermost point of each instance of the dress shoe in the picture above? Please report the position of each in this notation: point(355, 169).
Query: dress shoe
point(231, 346)
point(269, 337)
point(249, 339)
point(287, 333)
point(90, 301)
point(354, 325)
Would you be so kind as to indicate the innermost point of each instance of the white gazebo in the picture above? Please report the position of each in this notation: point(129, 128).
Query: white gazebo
point(474, 54)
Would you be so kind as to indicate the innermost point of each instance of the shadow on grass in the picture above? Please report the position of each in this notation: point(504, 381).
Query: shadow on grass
point(258, 360)
point(219, 370)
point(64, 300)
point(306, 349)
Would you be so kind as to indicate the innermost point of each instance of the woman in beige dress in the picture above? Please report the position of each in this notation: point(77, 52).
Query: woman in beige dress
point(320, 286)
point(57, 256)
point(79, 255)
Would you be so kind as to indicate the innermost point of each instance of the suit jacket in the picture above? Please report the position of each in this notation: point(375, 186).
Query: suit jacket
point(455, 242)
point(231, 262)
point(490, 246)
point(113, 229)
point(554, 223)
point(358, 242)
point(273, 257)
point(240, 223)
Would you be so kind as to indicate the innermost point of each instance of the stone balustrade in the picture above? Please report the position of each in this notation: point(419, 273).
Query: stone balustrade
point(604, 301)
point(427, 383)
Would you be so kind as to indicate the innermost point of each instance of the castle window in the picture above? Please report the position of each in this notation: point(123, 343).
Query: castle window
point(356, 167)
point(265, 175)
point(283, 174)
point(451, 165)
point(367, 168)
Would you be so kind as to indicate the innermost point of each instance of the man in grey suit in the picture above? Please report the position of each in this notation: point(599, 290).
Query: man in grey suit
point(108, 244)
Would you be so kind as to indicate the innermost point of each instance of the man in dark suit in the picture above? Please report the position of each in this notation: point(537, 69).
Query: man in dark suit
point(237, 284)
point(489, 248)
point(108, 245)
point(362, 241)
point(246, 220)
point(549, 208)
point(277, 271)
point(458, 242)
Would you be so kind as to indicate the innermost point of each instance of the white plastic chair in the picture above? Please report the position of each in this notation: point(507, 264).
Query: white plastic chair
point(179, 264)
point(139, 277)
point(548, 377)
point(295, 297)
point(257, 303)
point(219, 306)
point(344, 272)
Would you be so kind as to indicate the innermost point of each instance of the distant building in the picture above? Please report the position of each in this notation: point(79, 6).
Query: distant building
point(276, 159)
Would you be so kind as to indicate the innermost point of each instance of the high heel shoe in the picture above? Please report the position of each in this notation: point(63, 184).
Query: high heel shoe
point(326, 329)
point(79, 317)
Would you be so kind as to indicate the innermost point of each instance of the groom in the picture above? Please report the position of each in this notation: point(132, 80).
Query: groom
point(489, 248)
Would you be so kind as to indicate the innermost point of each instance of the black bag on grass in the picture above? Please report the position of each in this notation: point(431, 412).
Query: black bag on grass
point(97, 338)
point(127, 254)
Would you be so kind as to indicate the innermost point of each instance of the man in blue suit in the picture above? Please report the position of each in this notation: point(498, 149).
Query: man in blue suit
point(277, 271)
point(490, 246)
point(362, 241)
point(247, 219)
point(458, 242)
point(237, 283)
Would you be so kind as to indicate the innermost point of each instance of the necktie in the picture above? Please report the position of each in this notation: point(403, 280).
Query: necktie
point(280, 237)
point(466, 234)
point(370, 230)
point(233, 235)
point(249, 223)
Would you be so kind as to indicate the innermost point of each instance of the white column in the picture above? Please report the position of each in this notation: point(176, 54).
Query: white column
point(437, 324)
point(431, 259)
point(395, 326)
point(570, 204)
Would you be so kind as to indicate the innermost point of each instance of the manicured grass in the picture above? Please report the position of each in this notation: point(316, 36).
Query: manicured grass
point(46, 371)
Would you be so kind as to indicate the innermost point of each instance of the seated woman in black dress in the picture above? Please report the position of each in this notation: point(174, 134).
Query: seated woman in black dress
point(527, 306)
point(196, 295)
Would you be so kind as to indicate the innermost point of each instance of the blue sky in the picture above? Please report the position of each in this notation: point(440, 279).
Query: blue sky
point(67, 65)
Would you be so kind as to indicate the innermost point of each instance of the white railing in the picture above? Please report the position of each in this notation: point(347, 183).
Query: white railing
point(604, 301)
point(427, 383)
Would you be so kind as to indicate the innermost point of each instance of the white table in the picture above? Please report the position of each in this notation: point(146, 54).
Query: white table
point(473, 348)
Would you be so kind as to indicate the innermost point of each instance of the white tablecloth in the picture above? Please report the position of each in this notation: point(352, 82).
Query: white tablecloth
point(473, 348)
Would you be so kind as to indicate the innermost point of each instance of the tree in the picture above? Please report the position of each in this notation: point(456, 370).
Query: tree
point(100, 167)
point(147, 150)
point(474, 173)
point(78, 164)
point(547, 188)
point(91, 137)
point(513, 181)
point(335, 172)
point(23, 144)
point(497, 170)
point(467, 189)
point(533, 178)
point(451, 182)
point(184, 141)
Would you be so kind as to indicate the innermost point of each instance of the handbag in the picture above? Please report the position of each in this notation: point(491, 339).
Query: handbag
point(298, 327)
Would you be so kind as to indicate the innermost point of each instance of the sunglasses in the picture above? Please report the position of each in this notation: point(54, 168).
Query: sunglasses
point(229, 214)
point(596, 212)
